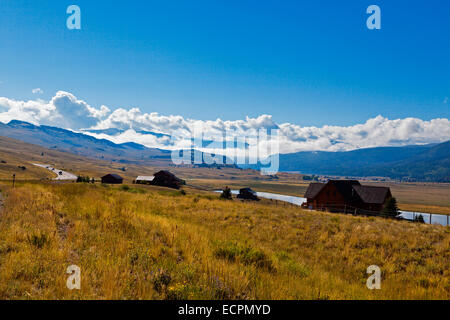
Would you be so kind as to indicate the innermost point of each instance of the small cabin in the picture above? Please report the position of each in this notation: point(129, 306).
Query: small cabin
point(112, 179)
point(144, 179)
point(167, 179)
point(247, 194)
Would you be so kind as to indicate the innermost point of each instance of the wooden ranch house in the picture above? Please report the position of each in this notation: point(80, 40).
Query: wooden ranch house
point(346, 196)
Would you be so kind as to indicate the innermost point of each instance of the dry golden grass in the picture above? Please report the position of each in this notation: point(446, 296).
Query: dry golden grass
point(155, 243)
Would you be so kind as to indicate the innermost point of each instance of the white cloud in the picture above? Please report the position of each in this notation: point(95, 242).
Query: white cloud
point(66, 111)
point(63, 110)
point(37, 91)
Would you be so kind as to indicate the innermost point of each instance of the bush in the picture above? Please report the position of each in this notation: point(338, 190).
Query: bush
point(226, 194)
point(161, 279)
point(245, 254)
point(39, 241)
point(83, 179)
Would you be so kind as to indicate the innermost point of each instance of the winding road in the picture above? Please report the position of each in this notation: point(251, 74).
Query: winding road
point(61, 175)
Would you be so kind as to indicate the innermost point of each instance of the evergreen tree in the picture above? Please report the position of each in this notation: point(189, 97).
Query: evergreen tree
point(226, 194)
point(391, 208)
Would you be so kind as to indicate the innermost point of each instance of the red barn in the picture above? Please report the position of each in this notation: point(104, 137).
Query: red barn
point(346, 196)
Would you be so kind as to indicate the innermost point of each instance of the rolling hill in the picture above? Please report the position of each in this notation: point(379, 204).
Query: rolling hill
point(420, 162)
point(424, 163)
point(81, 144)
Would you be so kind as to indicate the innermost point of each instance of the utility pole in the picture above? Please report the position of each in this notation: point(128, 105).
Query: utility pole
point(14, 180)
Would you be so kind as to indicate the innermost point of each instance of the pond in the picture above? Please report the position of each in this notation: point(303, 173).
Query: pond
point(435, 218)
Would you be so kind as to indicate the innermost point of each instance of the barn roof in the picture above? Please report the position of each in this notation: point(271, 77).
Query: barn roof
point(369, 194)
point(314, 189)
point(345, 187)
point(145, 178)
point(113, 175)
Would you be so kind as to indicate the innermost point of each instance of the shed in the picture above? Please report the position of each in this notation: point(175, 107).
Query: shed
point(112, 179)
point(144, 179)
point(247, 194)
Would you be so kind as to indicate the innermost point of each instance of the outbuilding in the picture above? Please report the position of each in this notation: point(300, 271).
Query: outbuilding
point(144, 179)
point(112, 179)
point(247, 194)
point(167, 179)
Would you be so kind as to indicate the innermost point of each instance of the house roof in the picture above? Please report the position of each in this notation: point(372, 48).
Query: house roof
point(113, 175)
point(314, 189)
point(345, 187)
point(351, 190)
point(249, 190)
point(145, 178)
point(369, 194)
point(166, 175)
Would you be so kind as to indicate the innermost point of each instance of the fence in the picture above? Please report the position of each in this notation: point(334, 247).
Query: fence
point(347, 209)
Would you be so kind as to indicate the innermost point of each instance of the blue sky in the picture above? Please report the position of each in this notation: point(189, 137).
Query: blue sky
point(311, 63)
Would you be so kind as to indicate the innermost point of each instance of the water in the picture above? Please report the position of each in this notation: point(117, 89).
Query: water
point(435, 218)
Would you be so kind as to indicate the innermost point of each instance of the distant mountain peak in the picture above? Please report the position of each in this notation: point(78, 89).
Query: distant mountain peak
point(19, 123)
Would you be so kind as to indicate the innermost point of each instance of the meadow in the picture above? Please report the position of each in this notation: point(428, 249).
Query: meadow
point(154, 243)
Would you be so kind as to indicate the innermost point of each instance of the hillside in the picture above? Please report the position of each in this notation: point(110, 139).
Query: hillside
point(81, 144)
point(151, 243)
point(425, 163)
point(16, 153)
point(419, 163)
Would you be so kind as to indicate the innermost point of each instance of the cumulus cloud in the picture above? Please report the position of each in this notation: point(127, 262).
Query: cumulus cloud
point(375, 132)
point(63, 110)
point(37, 91)
point(173, 132)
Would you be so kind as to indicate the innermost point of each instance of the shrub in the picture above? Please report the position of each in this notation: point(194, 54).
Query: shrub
point(226, 194)
point(83, 179)
point(161, 279)
point(39, 241)
point(247, 255)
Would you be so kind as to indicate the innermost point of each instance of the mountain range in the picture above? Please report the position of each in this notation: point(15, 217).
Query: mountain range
point(419, 162)
point(82, 144)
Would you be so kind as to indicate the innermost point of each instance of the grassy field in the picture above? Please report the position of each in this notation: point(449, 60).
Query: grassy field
point(155, 243)
point(429, 197)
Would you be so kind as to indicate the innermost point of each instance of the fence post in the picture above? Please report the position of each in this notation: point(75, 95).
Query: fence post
point(430, 217)
point(14, 180)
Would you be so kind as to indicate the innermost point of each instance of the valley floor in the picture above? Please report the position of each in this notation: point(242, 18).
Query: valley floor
point(154, 243)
